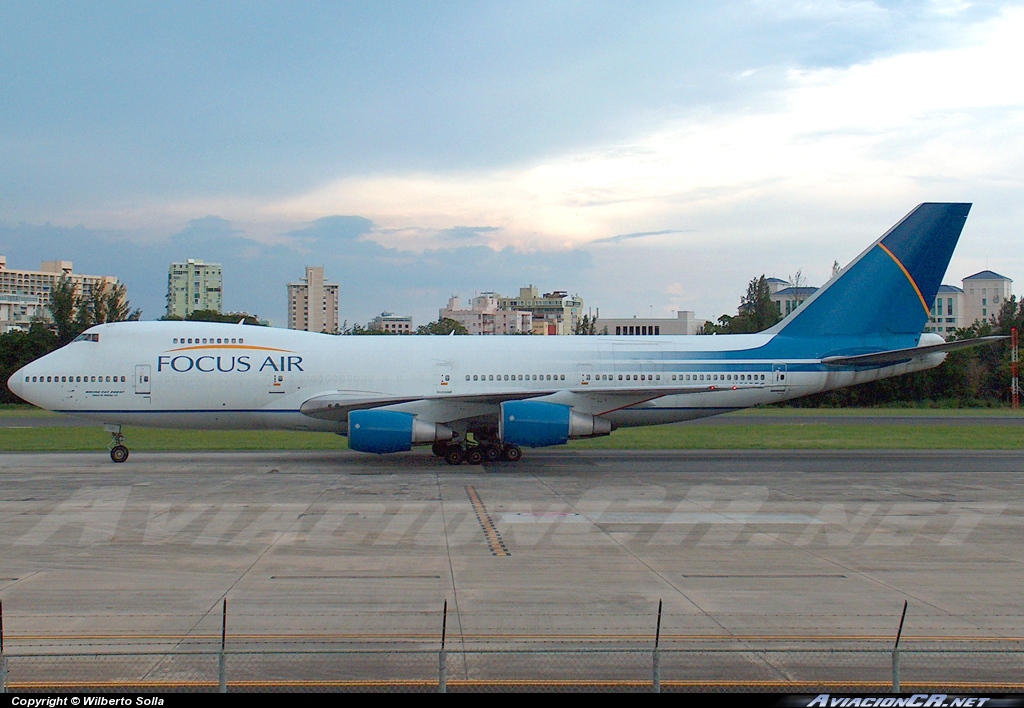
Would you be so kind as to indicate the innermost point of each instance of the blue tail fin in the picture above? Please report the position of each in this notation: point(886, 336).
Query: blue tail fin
point(890, 287)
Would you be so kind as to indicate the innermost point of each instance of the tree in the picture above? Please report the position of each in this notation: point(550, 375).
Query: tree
point(18, 348)
point(444, 325)
point(215, 316)
point(586, 325)
point(74, 312)
point(757, 312)
point(359, 329)
point(64, 305)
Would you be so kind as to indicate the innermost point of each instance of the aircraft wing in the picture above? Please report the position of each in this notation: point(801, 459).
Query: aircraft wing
point(446, 408)
point(897, 356)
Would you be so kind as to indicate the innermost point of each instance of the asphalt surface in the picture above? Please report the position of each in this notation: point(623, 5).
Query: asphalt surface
point(564, 544)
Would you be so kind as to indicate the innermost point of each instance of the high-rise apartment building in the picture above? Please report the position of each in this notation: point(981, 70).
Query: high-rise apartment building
point(25, 294)
point(312, 303)
point(194, 285)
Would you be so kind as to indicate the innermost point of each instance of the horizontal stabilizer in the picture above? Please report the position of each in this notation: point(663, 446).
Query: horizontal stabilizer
point(896, 356)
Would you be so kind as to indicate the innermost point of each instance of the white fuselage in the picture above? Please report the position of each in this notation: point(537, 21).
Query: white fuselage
point(207, 375)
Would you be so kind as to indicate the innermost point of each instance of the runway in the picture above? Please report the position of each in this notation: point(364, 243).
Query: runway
point(566, 547)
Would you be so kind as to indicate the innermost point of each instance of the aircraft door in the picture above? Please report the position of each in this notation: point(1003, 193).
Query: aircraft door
point(277, 384)
point(779, 378)
point(443, 378)
point(142, 379)
point(584, 374)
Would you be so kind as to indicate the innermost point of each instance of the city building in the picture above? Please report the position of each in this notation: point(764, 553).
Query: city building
point(312, 303)
point(789, 298)
point(947, 311)
point(194, 285)
point(485, 317)
point(552, 313)
point(683, 323)
point(984, 295)
point(25, 294)
point(390, 322)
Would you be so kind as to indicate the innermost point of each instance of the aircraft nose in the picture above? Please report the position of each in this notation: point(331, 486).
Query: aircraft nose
point(17, 382)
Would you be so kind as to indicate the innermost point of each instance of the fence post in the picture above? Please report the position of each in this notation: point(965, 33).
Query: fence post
point(895, 670)
point(222, 664)
point(656, 658)
point(442, 656)
point(896, 653)
point(3, 658)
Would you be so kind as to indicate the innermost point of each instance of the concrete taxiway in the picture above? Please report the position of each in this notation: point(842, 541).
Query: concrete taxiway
point(564, 546)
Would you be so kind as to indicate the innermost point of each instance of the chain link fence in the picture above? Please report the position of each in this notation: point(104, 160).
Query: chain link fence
point(711, 668)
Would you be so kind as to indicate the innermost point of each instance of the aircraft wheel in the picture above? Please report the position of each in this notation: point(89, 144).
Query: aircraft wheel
point(119, 453)
point(474, 456)
point(454, 455)
point(492, 453)
point(513, 453)
point(439, 449)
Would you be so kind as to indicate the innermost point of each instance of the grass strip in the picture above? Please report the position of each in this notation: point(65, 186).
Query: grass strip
point(664, 437)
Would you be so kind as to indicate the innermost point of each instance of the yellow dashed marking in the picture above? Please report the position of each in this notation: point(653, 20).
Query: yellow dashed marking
point(494, 541)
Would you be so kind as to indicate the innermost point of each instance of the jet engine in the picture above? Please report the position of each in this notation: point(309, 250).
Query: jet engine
point(537, 424)
point(391, 431)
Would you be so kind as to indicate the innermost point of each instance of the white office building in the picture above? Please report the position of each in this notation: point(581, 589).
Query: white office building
point(194, 285)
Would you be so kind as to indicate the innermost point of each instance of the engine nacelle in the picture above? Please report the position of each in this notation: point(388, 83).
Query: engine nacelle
point(537, 424)
point(391, 431)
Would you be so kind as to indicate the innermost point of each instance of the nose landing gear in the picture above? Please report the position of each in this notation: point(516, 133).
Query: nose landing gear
point(118, 452)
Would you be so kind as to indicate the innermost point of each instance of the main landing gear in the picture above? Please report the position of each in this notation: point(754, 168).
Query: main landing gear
point(118, 452)
point(456, 454)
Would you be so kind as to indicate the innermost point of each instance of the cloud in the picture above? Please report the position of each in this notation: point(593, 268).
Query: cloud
point(373, 277)
point(781, 135)
point(467, 233)
point(640, 234)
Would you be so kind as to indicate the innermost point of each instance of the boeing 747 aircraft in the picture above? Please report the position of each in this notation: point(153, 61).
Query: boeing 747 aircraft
point(479, 399)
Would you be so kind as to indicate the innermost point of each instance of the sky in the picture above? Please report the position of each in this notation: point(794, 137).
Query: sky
point(650, 157)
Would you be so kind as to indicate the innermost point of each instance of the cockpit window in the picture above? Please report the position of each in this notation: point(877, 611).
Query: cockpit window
point(87, 337)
